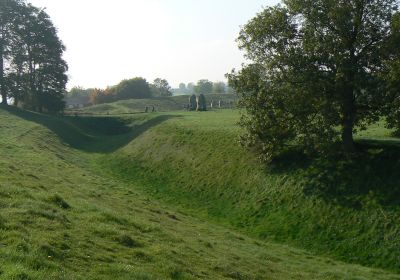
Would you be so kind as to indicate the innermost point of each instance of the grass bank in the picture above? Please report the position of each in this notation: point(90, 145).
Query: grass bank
point(347, 209)
point(65, 217)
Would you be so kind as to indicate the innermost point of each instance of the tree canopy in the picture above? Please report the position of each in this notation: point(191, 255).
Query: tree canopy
point(316, 66)
point(203, 87)
point(135, 88)
point(32, 71)
point(161, 87)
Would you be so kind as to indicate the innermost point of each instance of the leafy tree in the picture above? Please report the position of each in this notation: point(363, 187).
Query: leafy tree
point(161, 87)
point(9, 12)
point(80, 92)
point(135, 88)
point(203, 87)
point(316, 66)
point(182, 87)
point(190, 88)
point(29, 46)
point(219, 87)
point(100, 96)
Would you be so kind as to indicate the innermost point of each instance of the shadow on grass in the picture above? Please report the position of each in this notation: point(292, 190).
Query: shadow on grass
point(370, 179)
point(93, 134)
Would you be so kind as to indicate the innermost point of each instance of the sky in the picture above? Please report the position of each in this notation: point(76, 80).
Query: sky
point(178, 40)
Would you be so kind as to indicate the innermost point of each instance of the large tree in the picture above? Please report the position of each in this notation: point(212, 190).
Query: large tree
point(203, 87)
point(9, 11)
point(32, 70)
point(132, 89)
point(161, 87)
point(219, 87)
point(317, 65)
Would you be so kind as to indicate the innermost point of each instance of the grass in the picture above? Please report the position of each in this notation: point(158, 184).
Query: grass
point(161, 104)
point(68, 213)
point(347, 209)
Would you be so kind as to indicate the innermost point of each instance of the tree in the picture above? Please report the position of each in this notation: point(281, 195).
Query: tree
point(219, 87)
point(31, 50)
point(203, 87)
point(161, 87)
point(100, 96)
point(182, 87)
point(190, 88)
point(132, 89)
point(8, 14)
point(316, 66)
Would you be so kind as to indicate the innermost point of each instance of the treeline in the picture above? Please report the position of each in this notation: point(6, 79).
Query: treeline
point(32, 71)
point(139, 88)
point(136, 88)
point(204, 87)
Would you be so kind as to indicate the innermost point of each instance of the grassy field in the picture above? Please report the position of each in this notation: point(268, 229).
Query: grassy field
point(161, 104)
point(173, 196)
point(349, 210)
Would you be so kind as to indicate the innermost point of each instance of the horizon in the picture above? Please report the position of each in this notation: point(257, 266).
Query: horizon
point(177, 40)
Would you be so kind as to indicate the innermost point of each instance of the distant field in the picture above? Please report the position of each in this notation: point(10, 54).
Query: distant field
point(161, 104)
point(173, 196)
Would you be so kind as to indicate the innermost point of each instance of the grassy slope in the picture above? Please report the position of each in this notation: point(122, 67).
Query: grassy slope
point(62, 218)
point(345, 209)
point(162, 104)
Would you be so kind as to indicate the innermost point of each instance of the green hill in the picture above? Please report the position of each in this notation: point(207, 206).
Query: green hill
point(161, 104)
point(86, 198)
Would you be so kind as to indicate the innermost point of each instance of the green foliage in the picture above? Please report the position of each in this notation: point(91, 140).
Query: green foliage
point(161, 87)
point(32, 70)
point(203, 87)
point(316, 66)
point(132, 89)
point(136, 88)
point(219, 87)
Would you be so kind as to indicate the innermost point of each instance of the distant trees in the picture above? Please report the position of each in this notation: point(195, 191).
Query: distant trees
point(182, 87)
point(219, 88)
point(190, 88)
point(136, 88)
point(203, 87)
point(320, 71)
point(79, 92)
point(161, 87)
point(32, 71)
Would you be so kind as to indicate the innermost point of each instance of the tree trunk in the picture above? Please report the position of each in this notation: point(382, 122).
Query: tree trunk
point(349, 112)
point(3, 92)
point(347, 137)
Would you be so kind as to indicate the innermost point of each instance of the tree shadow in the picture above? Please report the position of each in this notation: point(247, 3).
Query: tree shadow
point(371, 178)
point(94, 134)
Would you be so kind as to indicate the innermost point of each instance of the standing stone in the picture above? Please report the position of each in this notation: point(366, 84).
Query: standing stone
point(201, 103)
point(192, 103)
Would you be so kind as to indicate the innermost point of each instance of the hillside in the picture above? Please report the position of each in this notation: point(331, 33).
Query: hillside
point(75, 207)
point(161, 104)
point(349, 210)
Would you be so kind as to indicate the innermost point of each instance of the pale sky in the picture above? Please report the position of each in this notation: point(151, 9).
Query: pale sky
point(179, 40)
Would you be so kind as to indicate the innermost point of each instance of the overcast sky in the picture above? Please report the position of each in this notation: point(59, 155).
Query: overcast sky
point(179, 40)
